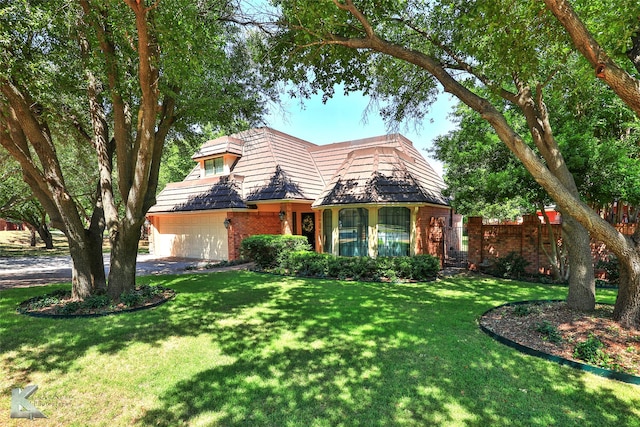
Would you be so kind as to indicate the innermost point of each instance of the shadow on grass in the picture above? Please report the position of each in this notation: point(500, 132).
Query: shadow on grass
point(325, 352)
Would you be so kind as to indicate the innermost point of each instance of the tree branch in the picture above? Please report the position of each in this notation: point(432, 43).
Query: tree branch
point(623, 84)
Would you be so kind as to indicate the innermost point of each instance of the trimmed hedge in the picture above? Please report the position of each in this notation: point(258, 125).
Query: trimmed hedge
point(267, 250)
point(288, 255)
point(312, 264)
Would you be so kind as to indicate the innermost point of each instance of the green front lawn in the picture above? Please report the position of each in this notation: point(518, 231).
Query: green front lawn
point(242, 348)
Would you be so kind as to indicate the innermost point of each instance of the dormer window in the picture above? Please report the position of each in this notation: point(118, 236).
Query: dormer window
point(213, 166)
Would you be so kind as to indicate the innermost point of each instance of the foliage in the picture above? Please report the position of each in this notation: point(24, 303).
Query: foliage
point(269, 250)
point(115, 80)
point(312, 264)
point(612, 267)
point(592, 351)
point(511, 266)
point(63, 303)
point(549, 332)
point(521, 310)
point(483, 177)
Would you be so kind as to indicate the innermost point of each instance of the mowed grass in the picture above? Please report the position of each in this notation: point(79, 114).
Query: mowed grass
point(18, 244)
point(241, 348)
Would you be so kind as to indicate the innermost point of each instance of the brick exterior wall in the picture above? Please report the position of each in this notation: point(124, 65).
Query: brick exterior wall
point(245, 224)
point(488, 242)
point(10, 226)
point(430, 223)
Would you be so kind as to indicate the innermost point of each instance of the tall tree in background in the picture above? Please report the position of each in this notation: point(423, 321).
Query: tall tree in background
point(398, 52)
point(120, 76)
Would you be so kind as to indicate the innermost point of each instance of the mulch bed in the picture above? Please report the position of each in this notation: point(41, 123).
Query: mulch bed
point(57, 308)
point(621, 346)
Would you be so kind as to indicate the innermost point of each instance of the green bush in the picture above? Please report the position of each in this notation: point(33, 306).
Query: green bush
point(424, 267)
point(271, 250)
point(312, 264)
point(511, 266)
point(591, 351)
point(96, 301)
point(521, 310)
point(612, 267)
point(70, 307)
point(131, 298)
point(292, 255)
point(549, 332)
point(306, 263)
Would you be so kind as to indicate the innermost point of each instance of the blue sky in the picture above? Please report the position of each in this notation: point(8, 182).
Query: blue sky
point(341, 119)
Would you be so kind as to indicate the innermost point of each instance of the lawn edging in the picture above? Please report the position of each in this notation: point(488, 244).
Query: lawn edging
point(101, 314)
point(607, 373)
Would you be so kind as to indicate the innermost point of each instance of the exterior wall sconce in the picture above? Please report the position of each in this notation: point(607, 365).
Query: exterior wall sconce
point(282, 215)
point(227, 223)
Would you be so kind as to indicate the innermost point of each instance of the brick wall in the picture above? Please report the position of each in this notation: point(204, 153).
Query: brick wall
point(245, 224)
point(430, 223)
point(488, 242)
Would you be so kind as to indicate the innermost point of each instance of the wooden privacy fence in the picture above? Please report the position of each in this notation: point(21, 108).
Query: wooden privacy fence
point(488, 242)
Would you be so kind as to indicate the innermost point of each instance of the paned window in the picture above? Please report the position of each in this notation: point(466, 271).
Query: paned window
point(394, 224)
point(354, 232)
point(327, 230)
point(213, 166)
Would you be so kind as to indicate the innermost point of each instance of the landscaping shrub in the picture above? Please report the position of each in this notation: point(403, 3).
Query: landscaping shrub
point(292, 255)
point(306, 263)
point(131, 298)
point(592, 351)
point(271, 250)
point(511, 266)
point(612, 268)
point(96, 301)
point(312, 264)
point(424, 267)
point(549, 332)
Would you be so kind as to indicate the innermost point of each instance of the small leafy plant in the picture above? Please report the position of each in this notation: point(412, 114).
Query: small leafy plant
point(521, 310)
point(512, 266)
point(592, 351)
point(549, 332)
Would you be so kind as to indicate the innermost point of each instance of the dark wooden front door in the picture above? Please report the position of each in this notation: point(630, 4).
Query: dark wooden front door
point(309, 228)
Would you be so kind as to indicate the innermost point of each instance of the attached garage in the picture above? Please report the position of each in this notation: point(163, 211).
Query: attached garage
point(191, 235)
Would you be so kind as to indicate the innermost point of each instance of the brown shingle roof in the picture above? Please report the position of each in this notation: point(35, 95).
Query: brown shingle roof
point(276, 166)
point(224, 144)
point(204, 194)
point(373, 175)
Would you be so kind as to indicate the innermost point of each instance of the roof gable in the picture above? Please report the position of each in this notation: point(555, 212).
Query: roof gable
point(373, 175)
point(279, 187)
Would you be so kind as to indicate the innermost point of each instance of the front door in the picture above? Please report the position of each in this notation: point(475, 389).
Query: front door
point(309, 228)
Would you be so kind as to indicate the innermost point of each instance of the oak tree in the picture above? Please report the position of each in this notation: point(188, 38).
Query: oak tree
point(119, 76)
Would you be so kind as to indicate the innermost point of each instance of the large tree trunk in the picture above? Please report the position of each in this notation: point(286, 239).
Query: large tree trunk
point(582, 290)
point(627, 308)
point(124, 251)
point(45, 235)
point(82, 278)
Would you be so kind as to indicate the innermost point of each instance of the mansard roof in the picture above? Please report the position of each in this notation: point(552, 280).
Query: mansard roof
point(274, 166)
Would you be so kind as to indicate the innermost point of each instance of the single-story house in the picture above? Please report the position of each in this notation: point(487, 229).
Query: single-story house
point(369, 197)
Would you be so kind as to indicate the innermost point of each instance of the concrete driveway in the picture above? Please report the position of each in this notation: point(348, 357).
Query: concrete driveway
point(33, 271)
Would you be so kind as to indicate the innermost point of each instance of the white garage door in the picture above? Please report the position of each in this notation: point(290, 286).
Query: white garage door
point(201, 236)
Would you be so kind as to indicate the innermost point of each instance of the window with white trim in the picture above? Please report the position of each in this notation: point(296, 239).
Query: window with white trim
point(213, 166)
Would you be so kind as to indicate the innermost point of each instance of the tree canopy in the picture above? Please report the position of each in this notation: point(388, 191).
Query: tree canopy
point(120, 77)
point(402, 51)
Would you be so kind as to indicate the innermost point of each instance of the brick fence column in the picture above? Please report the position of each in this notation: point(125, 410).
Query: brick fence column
point(474, 244)
point(531, 242)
